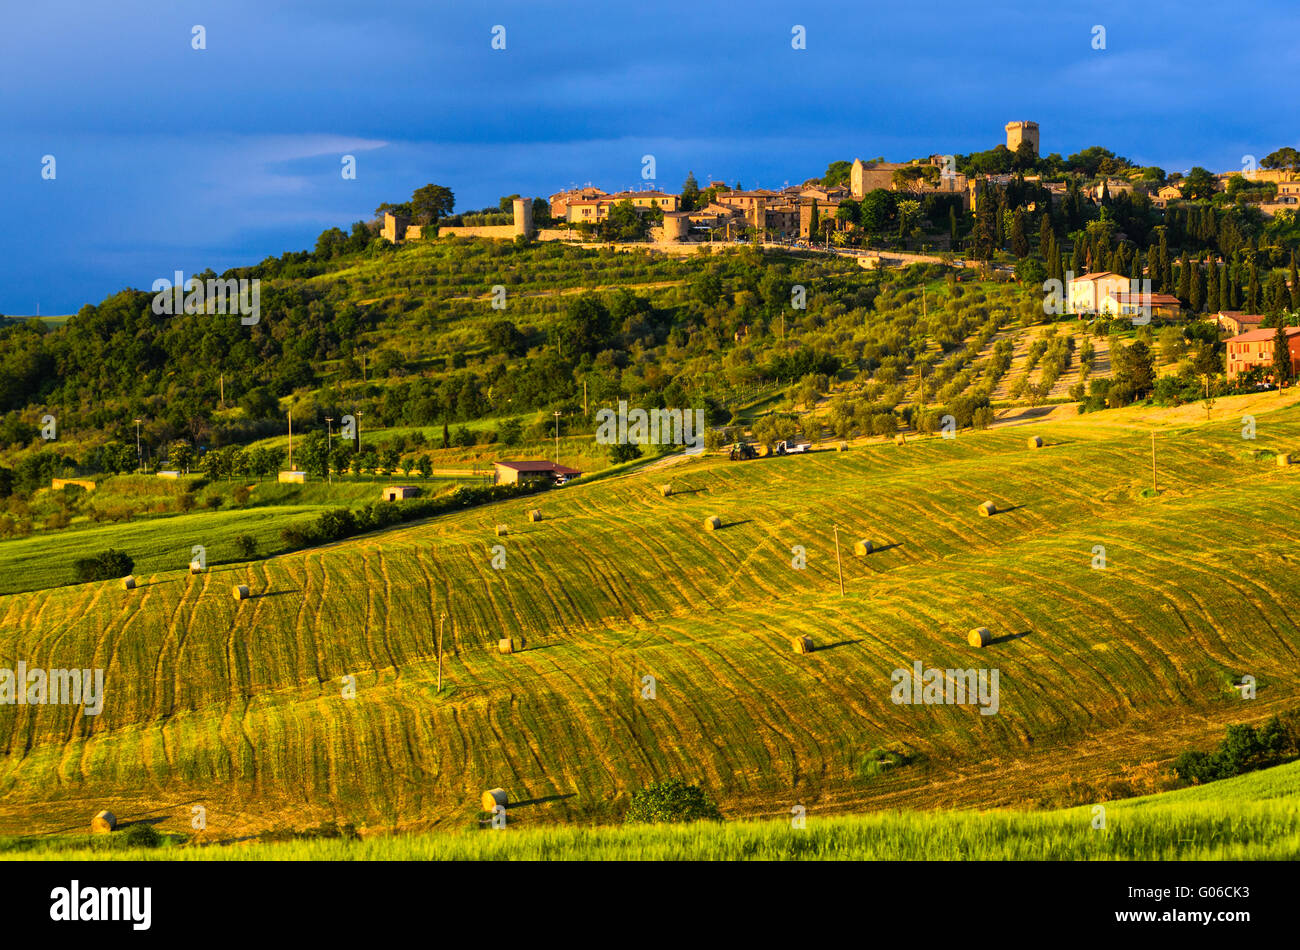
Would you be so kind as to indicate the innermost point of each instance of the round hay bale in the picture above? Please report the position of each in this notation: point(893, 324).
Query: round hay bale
point(802, 644)
point(240, 591)
point(980, 637)
point(843, 447)
point(712, 523)
point(196, 567)
point(1283, 459)
point(502, 530)
point(494, 797)
point(1036, 442)
point(900, 439)
point(505, 646)
point(987, 509)
point(104, 822)
point(128, 582)
point(535, 515)
point(863, 548)
point(666, 490)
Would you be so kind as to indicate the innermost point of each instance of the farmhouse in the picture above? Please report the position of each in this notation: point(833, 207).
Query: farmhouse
point(532, 472)
point(1255, 348)
point(1130, 303)
point(398, 492)
point(1088, 293)
point(1234, 321)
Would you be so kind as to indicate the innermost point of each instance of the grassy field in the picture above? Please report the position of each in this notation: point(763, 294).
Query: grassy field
point(1251, 817)
point(160, 536)
point(1104, 674)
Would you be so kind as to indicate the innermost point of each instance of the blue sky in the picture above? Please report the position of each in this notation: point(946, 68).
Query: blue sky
point(170, 158)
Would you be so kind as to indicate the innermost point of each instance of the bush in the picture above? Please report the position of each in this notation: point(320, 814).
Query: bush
point(1243, 749)
point(104, 566)
point(143, 836)
point(671, 801)
point(624, 452)
point(246, 546)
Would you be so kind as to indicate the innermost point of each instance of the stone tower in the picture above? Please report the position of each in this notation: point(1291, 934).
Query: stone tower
point(524, 217)
point(1018, 132)
point(856, 185)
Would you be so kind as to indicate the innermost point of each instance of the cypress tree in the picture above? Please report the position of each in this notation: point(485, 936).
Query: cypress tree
point(1184, 278)
point(1276, 298)
point(1225, 288)
point(1019, 240)
point(1045, 238)
point(1211, 284)
point(1166, 270)
point(1252, 288)
point(1281, 356)
point(1079, 262)
point(1197, 289)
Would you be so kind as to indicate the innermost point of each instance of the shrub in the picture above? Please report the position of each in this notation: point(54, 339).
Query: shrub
point(106, 565)
point(246, 546)
point(671, 801)
point(623, 452)
point(1243, 749)
point(143, 836)
point(879, 761)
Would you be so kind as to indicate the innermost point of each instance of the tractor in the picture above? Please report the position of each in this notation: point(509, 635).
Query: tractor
point(743, 450)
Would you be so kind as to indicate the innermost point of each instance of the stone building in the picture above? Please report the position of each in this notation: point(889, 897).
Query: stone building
point(1018, 132)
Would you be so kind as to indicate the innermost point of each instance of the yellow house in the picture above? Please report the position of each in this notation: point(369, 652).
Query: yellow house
point(1088, 293)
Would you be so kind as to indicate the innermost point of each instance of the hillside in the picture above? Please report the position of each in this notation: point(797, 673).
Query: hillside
point(1252, 817)
point(238, 705)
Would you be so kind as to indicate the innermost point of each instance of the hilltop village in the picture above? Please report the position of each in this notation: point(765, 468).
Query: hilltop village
point(988, 212)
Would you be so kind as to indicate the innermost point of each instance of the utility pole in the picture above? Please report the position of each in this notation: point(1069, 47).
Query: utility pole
point(329, 447)
point(584, 397)
point(223, 390)
point(441, 620)
point(139, 458)
point(839, 566)
point(290, 415)
point(557, 437)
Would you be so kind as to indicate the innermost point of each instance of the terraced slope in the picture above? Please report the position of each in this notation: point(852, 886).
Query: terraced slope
point(240, 706)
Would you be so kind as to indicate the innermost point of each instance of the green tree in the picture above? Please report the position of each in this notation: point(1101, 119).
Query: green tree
point(1283, 158)
point(1199, 183)
point(690, 193)
point(1019, 239)
point(431, 202)
point(1281, 355)
point(673, 801)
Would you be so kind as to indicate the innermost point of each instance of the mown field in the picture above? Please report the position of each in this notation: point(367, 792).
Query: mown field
point(1104, 673)
point(1251, 817)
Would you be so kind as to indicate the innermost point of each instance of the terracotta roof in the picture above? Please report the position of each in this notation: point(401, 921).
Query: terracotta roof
point(1259, 336)
point(1097, 275)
